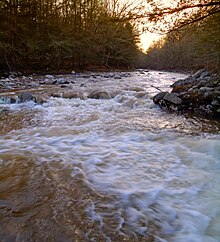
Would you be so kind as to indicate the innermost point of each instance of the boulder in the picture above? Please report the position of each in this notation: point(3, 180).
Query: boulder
point(49, 76)
point(48, 81)
point(157, 98)
point(26, 96)
point(32, 84)
point(182, 85)
point(62, 81)
point(172, 98)
point(73, 94)
point(199, 73)
point(99, 94)
point(14, 99)
point(199, 93)
point(204, 75)
point(41, 98)
point(117, 77)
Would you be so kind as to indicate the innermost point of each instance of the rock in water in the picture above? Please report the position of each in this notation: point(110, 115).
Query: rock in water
point(157, 98)
point(99, 95)
point(73, 94)
point(62, 81)
point(42, 98)
point(49, 76)
point(26, 96)
point(172, 98)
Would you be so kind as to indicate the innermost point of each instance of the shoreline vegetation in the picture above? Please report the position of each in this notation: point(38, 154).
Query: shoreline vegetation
point(57, 35)
point(61, 37)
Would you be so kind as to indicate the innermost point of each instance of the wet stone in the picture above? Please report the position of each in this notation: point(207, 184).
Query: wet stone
point(33, 84)
point(41, 98)
point(14, 99)
point(62, 81)
point(98, 94)
point(26, 96)
point(202, 90)
point(49, 76)
point(158, 97)
point(172, 98)
point(73, 94)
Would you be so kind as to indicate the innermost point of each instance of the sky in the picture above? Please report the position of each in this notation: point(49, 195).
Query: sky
point(148, 37)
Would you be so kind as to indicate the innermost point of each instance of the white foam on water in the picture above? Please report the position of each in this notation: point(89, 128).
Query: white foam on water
point(157, 183)
point(126, 148)
point(160, 178)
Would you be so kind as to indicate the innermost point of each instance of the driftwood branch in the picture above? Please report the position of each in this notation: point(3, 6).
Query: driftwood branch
point(157, 88)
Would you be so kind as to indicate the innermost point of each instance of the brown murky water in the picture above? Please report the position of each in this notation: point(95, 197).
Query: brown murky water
point(108, 170)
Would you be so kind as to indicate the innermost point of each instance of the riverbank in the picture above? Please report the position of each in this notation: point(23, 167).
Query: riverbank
point(199, 94)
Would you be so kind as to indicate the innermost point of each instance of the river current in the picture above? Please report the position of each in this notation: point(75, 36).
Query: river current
point(117, 169)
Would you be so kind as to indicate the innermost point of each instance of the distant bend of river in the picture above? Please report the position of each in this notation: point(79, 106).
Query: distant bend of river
point(117, 169)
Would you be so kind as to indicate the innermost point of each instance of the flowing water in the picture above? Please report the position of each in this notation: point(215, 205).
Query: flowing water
point(119, 169)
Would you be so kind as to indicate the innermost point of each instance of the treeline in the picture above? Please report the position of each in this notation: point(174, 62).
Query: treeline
point(191, 47)
point(55, 34)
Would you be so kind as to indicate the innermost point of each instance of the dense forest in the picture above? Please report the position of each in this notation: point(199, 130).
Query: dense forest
point(52, 35)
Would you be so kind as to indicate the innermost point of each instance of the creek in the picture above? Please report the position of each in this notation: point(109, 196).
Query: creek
point(118, 169)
